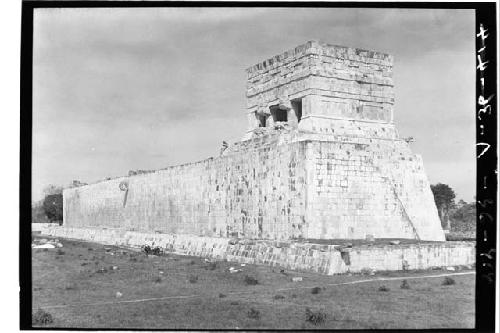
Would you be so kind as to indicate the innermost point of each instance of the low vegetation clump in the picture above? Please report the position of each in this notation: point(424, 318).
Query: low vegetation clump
point(279, 297)
point(42, 317)
point(70, 286)
point(211, 266)
point(152, 250)
point(383, 288)
point(448, 281)
point(193, 278)
point(405, 285)
point(315, 317)
point(250, 280)
point(60, 252)
point(253, 313)
point(158, 279)
point(315, 290)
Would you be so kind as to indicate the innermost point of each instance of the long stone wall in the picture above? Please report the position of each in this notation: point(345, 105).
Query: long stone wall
point(324, 259)
point(279, 186)
point(255, 194)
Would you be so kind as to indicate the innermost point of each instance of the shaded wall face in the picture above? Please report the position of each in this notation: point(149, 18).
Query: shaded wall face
point(253, 194)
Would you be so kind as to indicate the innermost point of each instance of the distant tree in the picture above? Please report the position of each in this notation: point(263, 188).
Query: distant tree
point(38, 213)
point(53, 207)
point(444, 198)
point(463, 218)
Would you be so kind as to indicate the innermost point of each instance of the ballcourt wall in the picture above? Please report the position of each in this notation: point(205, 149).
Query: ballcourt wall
point(279, 186)
point(255, 194)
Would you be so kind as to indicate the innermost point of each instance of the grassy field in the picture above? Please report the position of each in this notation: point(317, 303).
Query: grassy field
point(87, 285)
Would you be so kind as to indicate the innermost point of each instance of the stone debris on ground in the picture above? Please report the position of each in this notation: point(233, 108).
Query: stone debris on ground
point(395, 242)
point(234, 270)
point(450, 268)
point(297, 279)
point(46, 244)
point(118, 294)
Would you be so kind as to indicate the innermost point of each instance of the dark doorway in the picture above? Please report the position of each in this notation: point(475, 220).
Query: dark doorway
point(297, 108)
point(278, 114)
point(262, 119)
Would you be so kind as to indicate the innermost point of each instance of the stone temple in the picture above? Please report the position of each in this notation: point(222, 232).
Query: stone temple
point(321, 159)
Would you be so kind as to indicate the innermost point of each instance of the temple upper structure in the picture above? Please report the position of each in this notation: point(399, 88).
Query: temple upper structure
point(322, 88)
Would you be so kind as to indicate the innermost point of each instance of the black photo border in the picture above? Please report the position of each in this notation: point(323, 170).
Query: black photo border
point(486, 137)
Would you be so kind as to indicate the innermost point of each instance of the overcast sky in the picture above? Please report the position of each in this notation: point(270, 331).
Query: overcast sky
point(123, 89)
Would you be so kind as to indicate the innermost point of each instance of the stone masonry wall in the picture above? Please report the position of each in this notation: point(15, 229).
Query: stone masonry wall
point(254, 194)
point(278, 186)
point(362, 186)
point(350, 198)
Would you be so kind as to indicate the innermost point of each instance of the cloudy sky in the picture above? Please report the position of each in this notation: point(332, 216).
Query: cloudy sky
point(123, 89)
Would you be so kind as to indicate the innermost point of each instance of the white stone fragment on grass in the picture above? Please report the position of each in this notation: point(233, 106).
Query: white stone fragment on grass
point(297, 279)
point(44, 246)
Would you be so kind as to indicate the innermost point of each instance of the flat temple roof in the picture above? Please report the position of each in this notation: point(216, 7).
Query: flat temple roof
point(387, 59)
